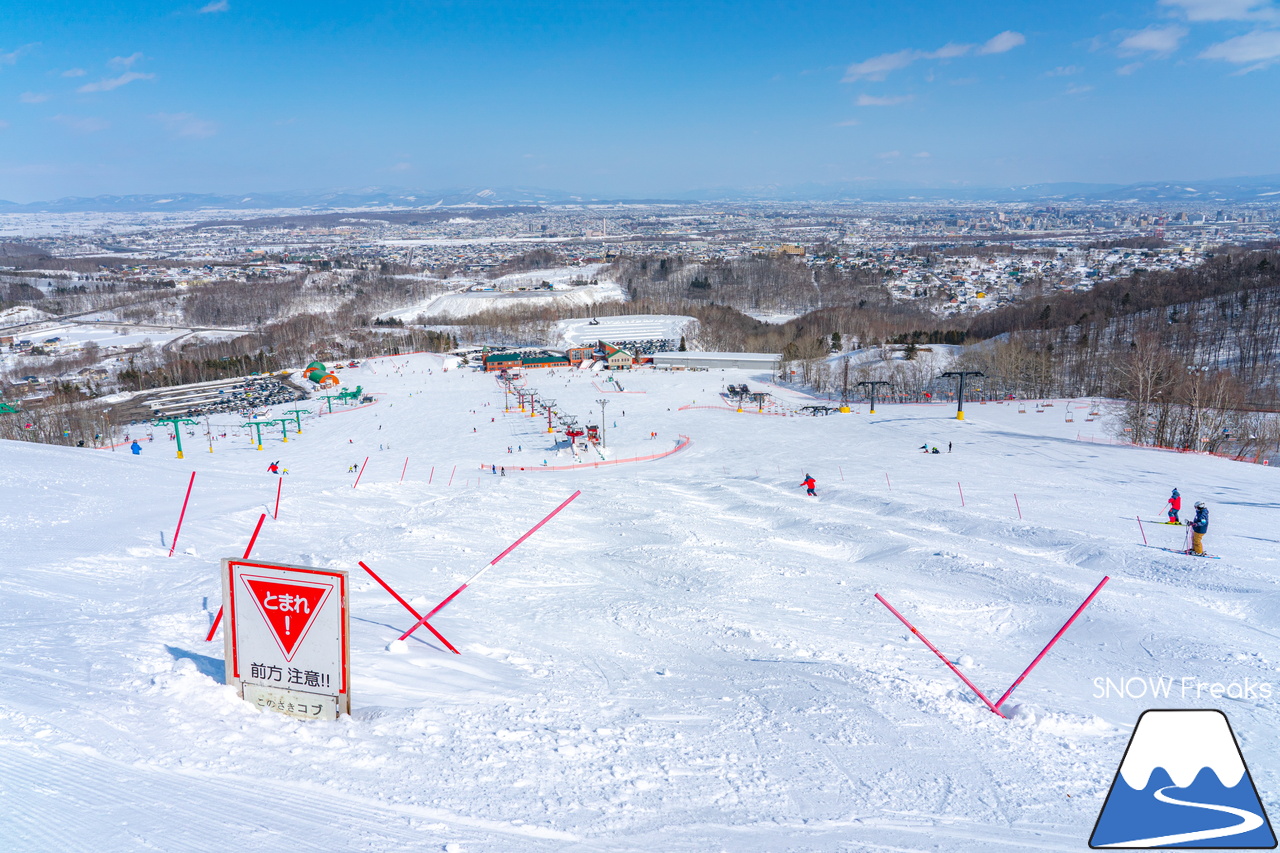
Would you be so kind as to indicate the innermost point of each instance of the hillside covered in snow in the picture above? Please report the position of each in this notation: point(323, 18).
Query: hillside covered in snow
point(689, 657)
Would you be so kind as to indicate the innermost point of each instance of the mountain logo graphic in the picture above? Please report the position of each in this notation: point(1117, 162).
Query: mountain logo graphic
point(1183, 783)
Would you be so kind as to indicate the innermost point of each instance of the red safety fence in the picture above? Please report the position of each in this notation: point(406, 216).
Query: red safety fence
point(681, 446)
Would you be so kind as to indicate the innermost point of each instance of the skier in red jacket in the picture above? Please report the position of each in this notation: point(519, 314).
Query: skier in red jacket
point(1175, 504)
point(810, 485)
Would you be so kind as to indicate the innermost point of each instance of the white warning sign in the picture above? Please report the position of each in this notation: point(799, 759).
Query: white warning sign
point(286, 640)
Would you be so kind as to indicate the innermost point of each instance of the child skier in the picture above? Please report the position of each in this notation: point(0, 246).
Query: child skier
point(1175, 504)
point(810, 485)
point(273, 468)
point(1199, 527)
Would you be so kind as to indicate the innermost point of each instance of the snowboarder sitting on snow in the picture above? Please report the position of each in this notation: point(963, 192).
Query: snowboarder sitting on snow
point(273, 468)
point(935, 450)
point(810, 485)
point(1175, 504)
point(1199, 527)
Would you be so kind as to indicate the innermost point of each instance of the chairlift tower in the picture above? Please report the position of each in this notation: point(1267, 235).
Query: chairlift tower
point(960, 376)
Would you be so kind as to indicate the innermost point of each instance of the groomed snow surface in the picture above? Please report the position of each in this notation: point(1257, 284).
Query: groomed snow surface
point(688, 658)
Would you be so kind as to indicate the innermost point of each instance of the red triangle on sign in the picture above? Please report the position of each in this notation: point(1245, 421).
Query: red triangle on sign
point(289, 607)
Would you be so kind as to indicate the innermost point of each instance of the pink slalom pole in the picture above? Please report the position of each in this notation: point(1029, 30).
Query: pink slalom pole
point(994, 709)
point(493, 562)
point(432, 475)
point(276, 512)
point(213, 629)
point(1140, 530)
point(451, 473)
point(182, 514)
point(841, 472)
point(1045, 650)
point(360, 473)
point(1018, 505)
point(405, 468)
point(407, 606)
point(961, 488)
point(886, 479)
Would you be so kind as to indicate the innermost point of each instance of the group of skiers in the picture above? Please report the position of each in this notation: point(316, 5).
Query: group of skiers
point(1199, 525)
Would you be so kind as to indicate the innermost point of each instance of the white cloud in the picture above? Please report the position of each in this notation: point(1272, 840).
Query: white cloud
point(879, 67)
point(106, 85)
point(1003, 42)
point(74, 72)
point(1257, 50)
point(849, 122)
point(890, 155)
point(1078, 90)
point(124, 61)
point(81, 124)
point(1161, 41)
point(11, 57)
point(889, 101)
point(1064, 71)
point(401, 167)
point(1224, 10)
point(33, 97)
point(186, 125)
point(1126, 70)
point(922, 155)
point(215, 6)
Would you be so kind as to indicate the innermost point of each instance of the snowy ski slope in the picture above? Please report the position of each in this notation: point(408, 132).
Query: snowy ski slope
point(688, 658)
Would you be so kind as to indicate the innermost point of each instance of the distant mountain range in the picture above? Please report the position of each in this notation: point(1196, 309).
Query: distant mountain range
point(1263, 188)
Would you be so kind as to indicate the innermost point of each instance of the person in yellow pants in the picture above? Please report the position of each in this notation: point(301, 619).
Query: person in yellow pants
point(1199, 527)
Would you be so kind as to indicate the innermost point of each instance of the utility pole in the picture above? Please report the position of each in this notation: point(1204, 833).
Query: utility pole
point(872, 391)
point(177, 424)
point(603, 402)
point(960, 375)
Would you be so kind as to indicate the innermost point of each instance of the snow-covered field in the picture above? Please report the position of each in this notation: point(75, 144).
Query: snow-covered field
point(688, 658)
point(505, 292)
point(637, 327)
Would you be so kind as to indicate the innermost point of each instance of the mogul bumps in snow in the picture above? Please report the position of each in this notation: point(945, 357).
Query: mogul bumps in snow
point(810, 485)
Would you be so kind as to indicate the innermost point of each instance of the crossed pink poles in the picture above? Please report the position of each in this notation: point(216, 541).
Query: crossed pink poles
point(995, 706)
point(422, 620)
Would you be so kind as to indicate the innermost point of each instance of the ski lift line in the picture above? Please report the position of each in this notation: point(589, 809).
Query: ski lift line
point(994, 709)
point(1056, 637)
point(423, 620)
point(183, 513)
point(217, 620)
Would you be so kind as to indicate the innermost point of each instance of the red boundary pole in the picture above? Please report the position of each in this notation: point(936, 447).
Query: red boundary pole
point(182, 514)
point(841, 472)
point(432, 475)
point(940, 655)
point(886, 479)
point(493, 562)
point(451, 473)
point(360, 473)
point(276, 513)
point(405, 468)
point(1140, 530)
point(213, 629)
point(1045, 650)
point(407, 606)
point(961, 488)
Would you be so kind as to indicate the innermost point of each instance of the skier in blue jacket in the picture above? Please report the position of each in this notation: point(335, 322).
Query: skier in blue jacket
point(1199, 527)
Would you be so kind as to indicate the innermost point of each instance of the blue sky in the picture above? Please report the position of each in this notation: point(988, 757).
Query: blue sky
point(629, 98)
